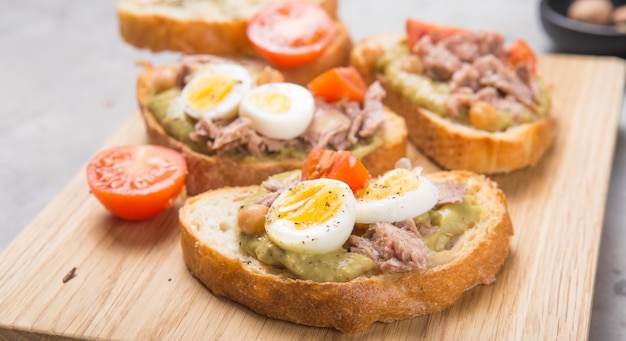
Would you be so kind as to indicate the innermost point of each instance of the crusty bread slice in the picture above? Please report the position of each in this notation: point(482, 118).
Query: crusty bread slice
point(217, 28)
point(212, 254)
point(210, 172)
point(452, 145)
point(337, 54)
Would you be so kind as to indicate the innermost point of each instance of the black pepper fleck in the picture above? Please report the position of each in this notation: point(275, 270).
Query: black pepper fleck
point(71, 274)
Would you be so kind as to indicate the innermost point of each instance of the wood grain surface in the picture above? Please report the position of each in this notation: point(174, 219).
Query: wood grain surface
point(130, 281)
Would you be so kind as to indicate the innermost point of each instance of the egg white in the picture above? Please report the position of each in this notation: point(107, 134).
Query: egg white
point(228, 82)
point(389, 198)
point(279, 110)
point(290, 228)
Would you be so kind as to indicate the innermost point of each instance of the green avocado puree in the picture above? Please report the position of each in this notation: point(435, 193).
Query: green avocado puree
point(451, 220)
point(168, 110)
point(336, 266)
point(432, 95)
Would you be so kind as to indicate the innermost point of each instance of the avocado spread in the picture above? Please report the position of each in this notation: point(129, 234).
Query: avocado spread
point(168, 109)
point(451, 221)
point(432, 95)
point(338, 266)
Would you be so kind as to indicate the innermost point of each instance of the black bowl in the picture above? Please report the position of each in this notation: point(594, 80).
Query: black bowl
point(573, 36)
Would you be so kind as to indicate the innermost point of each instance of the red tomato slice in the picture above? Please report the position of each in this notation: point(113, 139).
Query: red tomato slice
point(417, 29)
point(137, 182)
point(291, 34)
point(338, 165)
point(339, 83)
point(519, 52)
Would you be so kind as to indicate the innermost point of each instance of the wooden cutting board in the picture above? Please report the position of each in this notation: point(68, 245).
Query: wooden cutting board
point(131, 283)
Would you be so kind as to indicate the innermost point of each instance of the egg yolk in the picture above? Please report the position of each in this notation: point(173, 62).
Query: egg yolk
point(308, 205)
point(210, 92)
point(394, 182)
point(271, 101)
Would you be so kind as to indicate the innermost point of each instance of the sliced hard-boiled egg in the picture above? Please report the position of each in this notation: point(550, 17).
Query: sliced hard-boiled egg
point(397, 195)
point(314, 216)
point(279, 110)
point(216, 91)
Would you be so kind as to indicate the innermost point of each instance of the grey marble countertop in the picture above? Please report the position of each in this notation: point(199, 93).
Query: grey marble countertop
point(67, 82)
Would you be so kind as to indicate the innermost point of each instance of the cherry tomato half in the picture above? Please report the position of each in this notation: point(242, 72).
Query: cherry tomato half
point(339, 83)
point(137, 182)
point(417, 29)
point(519, 52)
point(338, 165)
point(291, 34)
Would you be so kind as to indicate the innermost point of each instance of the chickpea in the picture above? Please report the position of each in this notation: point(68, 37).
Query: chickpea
point(251, 219)
point(591, 11)
point(269, 75)
point(483, 115)
point(371, 52)
point(619, 15)
point(412, 64)
point(164, 79)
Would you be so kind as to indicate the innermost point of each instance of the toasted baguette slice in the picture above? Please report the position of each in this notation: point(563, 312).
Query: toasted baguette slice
point(217, 28)
point(452, 145)
point(212, 254)
point(210, 172)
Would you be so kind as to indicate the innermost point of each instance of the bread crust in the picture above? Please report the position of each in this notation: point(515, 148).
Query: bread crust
point(168, 27)
point(350, 306)
point(452, 145)
point(209, 172)
point(455, 146)
point(190, 34)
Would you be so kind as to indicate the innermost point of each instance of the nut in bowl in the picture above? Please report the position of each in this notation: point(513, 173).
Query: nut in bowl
point(594, 27)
